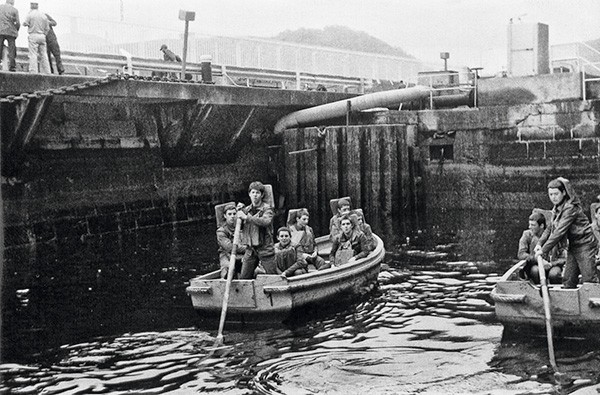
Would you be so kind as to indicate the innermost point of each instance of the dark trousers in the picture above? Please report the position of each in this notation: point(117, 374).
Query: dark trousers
point(254, 255)
point(580, 260)
point(12, 51)
point(53, 49)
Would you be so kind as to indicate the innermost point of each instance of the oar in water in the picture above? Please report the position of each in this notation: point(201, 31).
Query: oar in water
point(560, 378)
point(230, 272)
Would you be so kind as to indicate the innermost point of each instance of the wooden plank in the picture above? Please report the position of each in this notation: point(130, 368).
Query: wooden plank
point(332, 163)
point(404, 173)
point(352, 169)
point(373, 208)
point(388, 159)
point(291, 168)
point(301, 169)
point(311, 179)
point(323, 202)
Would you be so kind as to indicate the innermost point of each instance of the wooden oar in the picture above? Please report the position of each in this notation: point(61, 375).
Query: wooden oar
point(560, 378)
point(236, 240)
point(546, 299)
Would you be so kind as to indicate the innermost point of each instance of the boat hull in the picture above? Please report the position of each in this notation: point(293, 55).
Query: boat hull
point(274, 298)
point(520, 303)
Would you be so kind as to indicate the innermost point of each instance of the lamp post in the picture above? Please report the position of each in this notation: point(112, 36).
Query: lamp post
point(186, 16)
point(445, 56)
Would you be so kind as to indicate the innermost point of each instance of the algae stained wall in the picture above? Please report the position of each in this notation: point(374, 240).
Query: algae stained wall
point(97, 166)
point(502, 157)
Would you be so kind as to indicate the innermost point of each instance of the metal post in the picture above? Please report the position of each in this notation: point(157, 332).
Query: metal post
point(186, 16)
point(348, 111)
point(476, 86)
point(185, 42)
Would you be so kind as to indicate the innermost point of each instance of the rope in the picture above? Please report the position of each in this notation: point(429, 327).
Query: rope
point(508, 298)
point(88, 84)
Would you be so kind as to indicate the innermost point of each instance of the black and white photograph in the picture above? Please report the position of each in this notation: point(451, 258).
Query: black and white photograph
point(294, 197)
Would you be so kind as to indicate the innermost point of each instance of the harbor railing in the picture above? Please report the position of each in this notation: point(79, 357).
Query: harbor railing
point(93, 64)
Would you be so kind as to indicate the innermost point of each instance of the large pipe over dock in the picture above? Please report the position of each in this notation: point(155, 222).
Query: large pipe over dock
point(338, 109)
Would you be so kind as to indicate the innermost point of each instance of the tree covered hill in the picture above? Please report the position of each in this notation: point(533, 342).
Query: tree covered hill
point(341, 37)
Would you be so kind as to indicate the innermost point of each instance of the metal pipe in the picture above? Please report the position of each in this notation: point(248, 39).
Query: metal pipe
point(338, 109)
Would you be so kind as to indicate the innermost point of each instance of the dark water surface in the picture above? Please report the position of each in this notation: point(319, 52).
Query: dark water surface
point(111, 316)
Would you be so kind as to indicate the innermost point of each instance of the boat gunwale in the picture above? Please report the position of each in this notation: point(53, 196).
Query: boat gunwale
point(311, 279)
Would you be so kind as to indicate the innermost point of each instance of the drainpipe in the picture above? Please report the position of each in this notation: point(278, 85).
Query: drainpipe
point(338, 109)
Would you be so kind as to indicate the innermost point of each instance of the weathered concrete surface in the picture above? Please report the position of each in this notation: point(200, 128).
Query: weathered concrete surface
point(533, 89)
point(504, 156)
point(192, 123)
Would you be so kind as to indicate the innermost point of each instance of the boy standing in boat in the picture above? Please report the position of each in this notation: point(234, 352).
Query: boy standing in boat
point(569, 220)
point(257, 233)
point(225, 240)
point(286, 255)
point(303, 238)
point(343, 207)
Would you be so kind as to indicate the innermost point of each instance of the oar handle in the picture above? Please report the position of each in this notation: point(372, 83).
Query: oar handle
point(230, 272)
point(547, 314)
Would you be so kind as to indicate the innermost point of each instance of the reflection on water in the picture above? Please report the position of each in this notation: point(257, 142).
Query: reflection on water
point(129, 328)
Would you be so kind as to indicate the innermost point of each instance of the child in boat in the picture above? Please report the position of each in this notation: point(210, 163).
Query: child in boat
point(225, 240)
point(286, 256)
point(350, 244)
point(343, 207)
point(257, 233)
point(569, 220)
point(303, 238)
point(527, 243)
point(595, 208)
point(365, 228)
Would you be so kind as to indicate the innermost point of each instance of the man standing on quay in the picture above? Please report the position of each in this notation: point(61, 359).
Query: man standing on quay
point(9, 30)
point(53, 47)
point(38, 27)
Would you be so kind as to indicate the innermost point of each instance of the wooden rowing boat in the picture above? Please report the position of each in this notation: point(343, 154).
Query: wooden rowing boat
point(274, 298)
point(519, 302)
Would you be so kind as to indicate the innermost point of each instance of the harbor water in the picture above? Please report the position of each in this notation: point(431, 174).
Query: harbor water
point(110, 315)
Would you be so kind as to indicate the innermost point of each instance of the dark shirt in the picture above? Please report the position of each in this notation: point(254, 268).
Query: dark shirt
point(568, 220)
point(9, 20)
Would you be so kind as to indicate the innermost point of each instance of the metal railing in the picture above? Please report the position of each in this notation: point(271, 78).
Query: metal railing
point(102, 64)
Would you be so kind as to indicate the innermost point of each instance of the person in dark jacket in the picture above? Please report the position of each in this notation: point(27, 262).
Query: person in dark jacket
point(303, 238)
point(9, 30)
point(257, 233)
point(286, 255)
point(595, 209)
point(168, 55)
point(53, 48)
point(527, 243)
point(569, 220)
point(225, 236)
point(350, 244)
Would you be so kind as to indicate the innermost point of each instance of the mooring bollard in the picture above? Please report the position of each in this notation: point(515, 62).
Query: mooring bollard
point(206, 68)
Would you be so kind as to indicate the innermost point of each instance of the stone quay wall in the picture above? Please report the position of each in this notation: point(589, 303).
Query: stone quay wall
point(97, 166)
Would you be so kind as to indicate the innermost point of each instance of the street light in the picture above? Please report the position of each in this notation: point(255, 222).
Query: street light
point(186, 16)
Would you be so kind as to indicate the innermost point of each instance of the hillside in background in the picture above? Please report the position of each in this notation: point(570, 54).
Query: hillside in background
point(341, 37)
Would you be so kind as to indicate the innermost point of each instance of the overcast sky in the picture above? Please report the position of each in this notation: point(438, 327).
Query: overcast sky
point(473, 31)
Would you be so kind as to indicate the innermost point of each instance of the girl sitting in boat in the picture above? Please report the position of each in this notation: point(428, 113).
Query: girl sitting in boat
point(365, 228)
point(286, 256)
point(303, 238)
point(350, 244)
point(569, 220)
